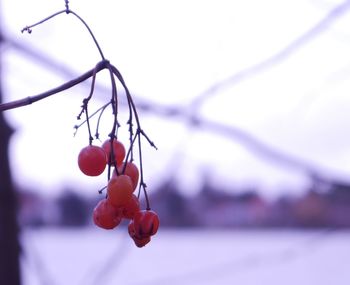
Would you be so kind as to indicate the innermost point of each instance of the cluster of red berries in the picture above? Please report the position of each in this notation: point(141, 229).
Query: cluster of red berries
point(120, 202)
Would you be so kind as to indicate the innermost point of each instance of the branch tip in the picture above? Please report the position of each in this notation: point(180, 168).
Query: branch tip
point(26, 29)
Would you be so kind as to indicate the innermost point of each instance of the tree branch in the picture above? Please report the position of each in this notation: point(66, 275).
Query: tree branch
point(31, 99)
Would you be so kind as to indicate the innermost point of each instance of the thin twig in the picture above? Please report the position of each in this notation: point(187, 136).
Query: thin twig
point(67, 11)
point(142, 182)
point(29, 28)
point(90, 31)
point(101, 110)
point(67, 5)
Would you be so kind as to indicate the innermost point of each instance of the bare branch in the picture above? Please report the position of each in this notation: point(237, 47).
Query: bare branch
point(29, 100)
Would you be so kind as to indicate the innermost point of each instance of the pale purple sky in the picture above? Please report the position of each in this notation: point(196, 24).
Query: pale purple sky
point(169, 52)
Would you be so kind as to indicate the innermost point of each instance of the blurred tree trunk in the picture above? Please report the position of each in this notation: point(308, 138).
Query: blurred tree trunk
point(9, 242)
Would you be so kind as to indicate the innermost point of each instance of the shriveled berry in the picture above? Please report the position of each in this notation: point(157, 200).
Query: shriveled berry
point(146, 223)
point(139, 241)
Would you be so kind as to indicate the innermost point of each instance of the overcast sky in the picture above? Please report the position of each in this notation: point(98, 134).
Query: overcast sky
point(281, 71)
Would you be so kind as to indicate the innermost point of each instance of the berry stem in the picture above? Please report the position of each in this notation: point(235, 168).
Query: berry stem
point(85, 108)
point(102, 109)
point(102, 189)
point(85, 105)
point(120, 78)
point(131, 131)
point(142, 183)
point(129, 151)
point(139, 131)
point(113, 133)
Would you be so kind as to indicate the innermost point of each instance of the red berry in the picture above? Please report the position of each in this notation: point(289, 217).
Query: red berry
point(131, 170)
point(106, 216)
point(139, 241)
point(132, 207)
point(118, 151)
point(119, 190)
point(92, 160)
point(146, 223)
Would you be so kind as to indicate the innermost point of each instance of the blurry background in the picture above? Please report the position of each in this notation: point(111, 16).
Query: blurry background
point(248, 103)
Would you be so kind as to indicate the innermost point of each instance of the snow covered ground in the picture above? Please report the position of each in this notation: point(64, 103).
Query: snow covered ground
point(91, 256)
